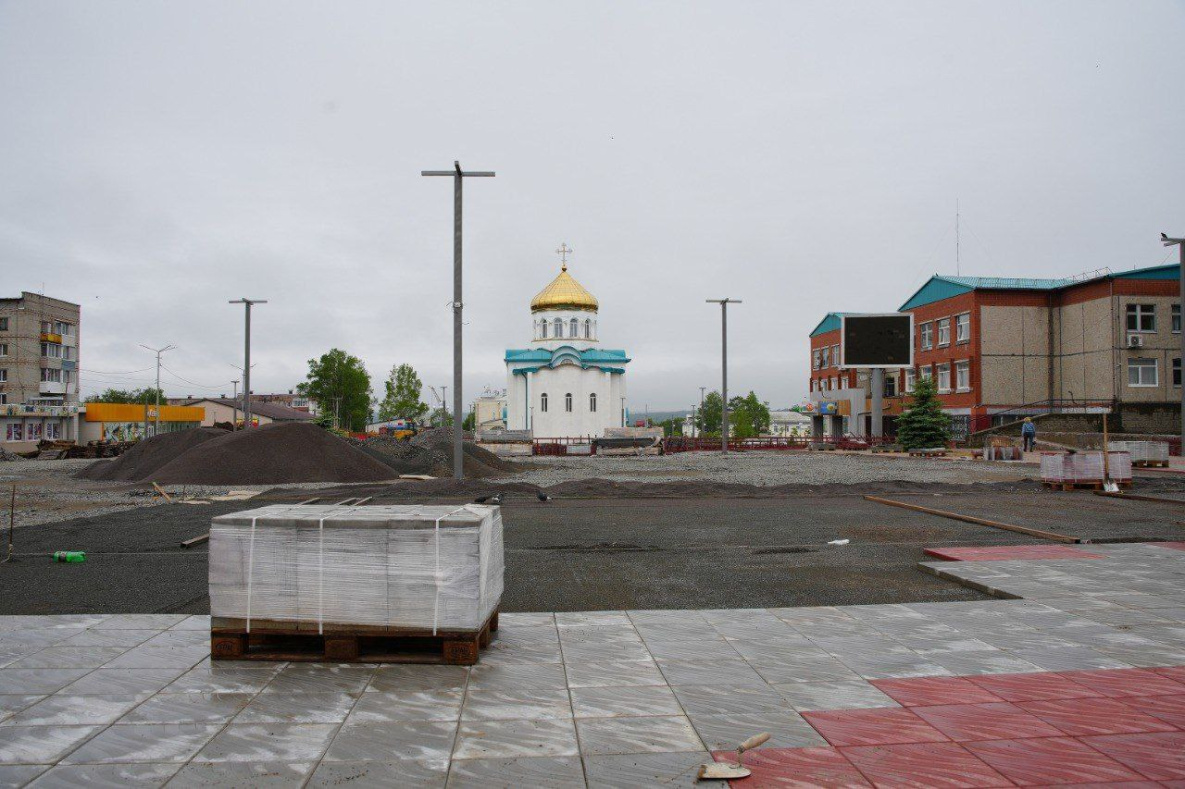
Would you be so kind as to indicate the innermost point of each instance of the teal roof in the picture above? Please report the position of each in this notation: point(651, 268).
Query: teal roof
point(829, 323)
point(590, 357)
point(945, 286)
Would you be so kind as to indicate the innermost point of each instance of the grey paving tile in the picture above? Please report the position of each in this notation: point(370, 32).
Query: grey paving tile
point(730, 673)
point(646, 770)
point(69, 657)
point(515, 739)
point(63, 710)
point(989, 662)
point(114, 681)
point(721, 700)
point(1068, 659)
point(504, 654)
point(613, 673)
point(423, 740)
point(897, 666)
point(24, 681)
point(218, 679)
point(108, 638)
point(297, 708)
point(635, 700)
point(140, 621)
point(394, 679)
point(40, 744)
point(581, 618)
point(423, 705)
point(556, 772)
point(605, 651)
point(268, 742)
point(244, 774)
point(12, 703)
point(517, 677)
point(703, 649)
point(115, 776)
point(20, 774)
point(303, 680)
point(429, 774)
point(188, 708)
point(526, 619)
point(168, 742)
point(516, 704)
point(725, 732)
point(775, 671)
point(844, 695)
point(637, 735)
point(194, 622)
point(145, 656)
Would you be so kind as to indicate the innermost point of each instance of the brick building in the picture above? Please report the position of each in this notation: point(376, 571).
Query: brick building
point(1001, 348)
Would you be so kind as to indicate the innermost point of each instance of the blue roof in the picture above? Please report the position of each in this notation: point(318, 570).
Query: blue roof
point(590, 357)
point(829, 323)
point(945, 286)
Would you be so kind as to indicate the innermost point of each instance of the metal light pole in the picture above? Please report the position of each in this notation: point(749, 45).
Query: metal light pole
point(444, 405)
point(247, 358)
point(1180, 244)
point(234, 410)
point(724, 368)
point(158, 352)
point(458, 175)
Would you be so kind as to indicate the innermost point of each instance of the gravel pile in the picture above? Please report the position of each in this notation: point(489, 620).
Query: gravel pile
point(479, 463)
point(147, 456)
point(402, 457)
point(5, 455)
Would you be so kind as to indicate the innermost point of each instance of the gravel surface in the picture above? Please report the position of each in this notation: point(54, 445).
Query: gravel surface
point(769, 468)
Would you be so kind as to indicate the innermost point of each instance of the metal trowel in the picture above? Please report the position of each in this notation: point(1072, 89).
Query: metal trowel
point(724, 771)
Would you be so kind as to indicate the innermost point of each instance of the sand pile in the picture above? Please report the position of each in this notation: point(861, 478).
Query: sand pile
point(142, 461)
point(274, 454)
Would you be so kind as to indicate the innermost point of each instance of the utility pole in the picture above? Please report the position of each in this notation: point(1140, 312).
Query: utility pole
point(458, 175)
point(724, 368)
point(158, 352)
point(443, 405)
point(247, 358)
point(234, 409)
point(1180, 244)
point(699, 429)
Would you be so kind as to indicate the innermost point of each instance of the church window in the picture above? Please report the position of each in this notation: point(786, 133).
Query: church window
point(587, 329)
point(559, 328)
point(568, 402)
point(592, 402)
point(544, 334)
point(543, 402)
point(574, 328)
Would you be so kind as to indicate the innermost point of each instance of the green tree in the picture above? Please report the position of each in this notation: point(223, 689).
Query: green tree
point(469, 422)
point(747, 416)
point(924, 424)
point(339, 383)
point(147, 396)
point(707, 421)
point(402, 400)
point(672, 426)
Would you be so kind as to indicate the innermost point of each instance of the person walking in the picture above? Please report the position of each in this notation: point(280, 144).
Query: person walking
point(1028, 432)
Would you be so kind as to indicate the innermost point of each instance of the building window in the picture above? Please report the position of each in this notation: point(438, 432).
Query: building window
point(911, 378)
point(1142, 372)
point(816, 355)
point(944, 377)
point(1176, 319)
point(47, 327)
point(543, 333)
point(51, 350)
point(3, 375)
point(963, 376)
point(568, 402)
point(51, 375)
point(831, 383)
point(3, 398)
point(3, 349)
point(835, 355)
point(890, 385)
point(944, 332)
point(61, 328)
point(926, 336)
point(559, 328)
point(574, 328)
point(15, 433)
point(1177, 371)
point(543, 402)
point(963, 327)
point(592, 403)
point(826, 357)
point(3, 324)
point(924, 373)
point(587, 329)
point(1141, 317)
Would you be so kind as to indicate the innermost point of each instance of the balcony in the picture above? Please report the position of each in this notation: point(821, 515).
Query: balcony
point(51, 337)
point(52, 388)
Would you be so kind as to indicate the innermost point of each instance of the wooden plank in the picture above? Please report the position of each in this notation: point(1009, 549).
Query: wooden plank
point(196, 540)
point(161, 491)
point(360, 502)
point(1045, 535)
point(313, 500)
point(1137, 497)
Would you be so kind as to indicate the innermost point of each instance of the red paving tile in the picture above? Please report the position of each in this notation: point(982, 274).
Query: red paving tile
point(941, 764)
point(999, 721)
point(881, 726)
point(1010, 553)
point(1172, 672)
point(1120, 785)
point(934, 690)
point(1126, 682)
point(1160, 757)
point(1087, 717)
point(1170, 709)
point(796, 767)
point(1176, 546)
point(1050, 760)
point(1032, 687)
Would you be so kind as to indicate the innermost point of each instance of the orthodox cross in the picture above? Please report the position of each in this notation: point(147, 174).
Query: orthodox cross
point(563, 252)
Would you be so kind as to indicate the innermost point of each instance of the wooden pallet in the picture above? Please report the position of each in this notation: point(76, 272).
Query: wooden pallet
point(1150, 463)
point(294, 641)
point(1082, 485)
point(927, 453)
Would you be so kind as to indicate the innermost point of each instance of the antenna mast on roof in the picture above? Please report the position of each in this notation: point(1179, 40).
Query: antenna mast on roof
point(957, 270)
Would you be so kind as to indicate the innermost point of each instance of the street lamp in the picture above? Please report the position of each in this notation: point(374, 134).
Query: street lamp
point(1179, 243)
point(724, 368)
point(158, 352)
point(247, 358)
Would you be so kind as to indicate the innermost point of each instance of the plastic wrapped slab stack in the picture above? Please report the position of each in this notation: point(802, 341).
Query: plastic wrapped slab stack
point(375, 569)
point(1055, 467)
point(1084, 468)
point(1144, 452)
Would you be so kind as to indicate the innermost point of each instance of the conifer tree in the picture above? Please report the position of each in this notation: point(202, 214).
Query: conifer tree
point(924, 424)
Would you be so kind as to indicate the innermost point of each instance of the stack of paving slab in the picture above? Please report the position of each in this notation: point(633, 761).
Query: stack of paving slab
point(1144, 451)
point(1084, 467)
point(392, 566)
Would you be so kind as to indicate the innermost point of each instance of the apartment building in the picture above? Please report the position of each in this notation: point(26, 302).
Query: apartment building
point(1001, 348)
point(39, 357)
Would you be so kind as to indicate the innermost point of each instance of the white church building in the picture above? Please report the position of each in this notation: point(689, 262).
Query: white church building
point(565, 384)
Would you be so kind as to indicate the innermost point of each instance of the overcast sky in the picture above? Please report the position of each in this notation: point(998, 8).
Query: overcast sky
point(158, 159)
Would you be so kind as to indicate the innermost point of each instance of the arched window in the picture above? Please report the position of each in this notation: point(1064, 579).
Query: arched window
point(543, 335)
point(543, 402)
point(574, 328)
point(568, 402)
point(587, 329)
point(559, 328)
point(592, 402)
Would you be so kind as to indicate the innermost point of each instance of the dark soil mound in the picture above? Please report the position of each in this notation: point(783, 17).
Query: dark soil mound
point(399, 456)
point(274, 454)
point(142, 461)
point(478, 462)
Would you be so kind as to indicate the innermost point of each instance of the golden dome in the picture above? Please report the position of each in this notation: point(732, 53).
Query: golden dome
point(564, 293)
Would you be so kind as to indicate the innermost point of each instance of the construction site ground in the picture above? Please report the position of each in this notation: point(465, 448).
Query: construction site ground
point(700, 542)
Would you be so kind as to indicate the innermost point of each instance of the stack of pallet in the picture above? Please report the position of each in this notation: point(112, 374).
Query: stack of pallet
point(1060, 469)
point(355, 583)
point(1144, 453)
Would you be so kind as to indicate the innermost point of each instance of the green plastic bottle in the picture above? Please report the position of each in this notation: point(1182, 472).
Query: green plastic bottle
point(69, 556)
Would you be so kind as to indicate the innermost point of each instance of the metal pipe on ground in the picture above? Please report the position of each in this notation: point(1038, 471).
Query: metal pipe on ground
point(1044, 535)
